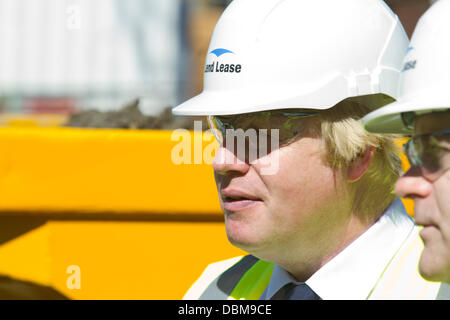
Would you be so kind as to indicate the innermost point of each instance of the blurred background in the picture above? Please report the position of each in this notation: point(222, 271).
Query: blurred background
point(63, 56)
point(106, 214)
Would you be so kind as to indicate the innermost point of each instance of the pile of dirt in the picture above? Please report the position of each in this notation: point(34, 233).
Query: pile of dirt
point(130, 117)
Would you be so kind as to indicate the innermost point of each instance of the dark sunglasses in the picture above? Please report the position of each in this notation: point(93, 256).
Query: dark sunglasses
point(430, 152)
point(286, 122)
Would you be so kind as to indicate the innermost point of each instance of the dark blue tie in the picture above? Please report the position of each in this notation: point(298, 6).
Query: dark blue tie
point(293, 291)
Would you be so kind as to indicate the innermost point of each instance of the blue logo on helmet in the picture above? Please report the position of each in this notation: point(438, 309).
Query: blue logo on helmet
point(220, 51)
point(217, 67)
point(409, 65)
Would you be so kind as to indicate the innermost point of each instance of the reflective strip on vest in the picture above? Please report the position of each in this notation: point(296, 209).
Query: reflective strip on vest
point(254, 281)
point(247, 279)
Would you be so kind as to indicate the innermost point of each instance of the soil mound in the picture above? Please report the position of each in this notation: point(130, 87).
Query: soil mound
point(130, 117)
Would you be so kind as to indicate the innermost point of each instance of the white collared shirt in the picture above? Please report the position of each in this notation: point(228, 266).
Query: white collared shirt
point(355, 272)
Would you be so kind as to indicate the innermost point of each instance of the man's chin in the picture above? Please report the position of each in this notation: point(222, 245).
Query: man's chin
point(243, 243)
point(432, 269)
point(248, 230)
point(243, 240)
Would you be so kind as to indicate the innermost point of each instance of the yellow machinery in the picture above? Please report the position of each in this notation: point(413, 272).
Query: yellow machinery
point(107, 214)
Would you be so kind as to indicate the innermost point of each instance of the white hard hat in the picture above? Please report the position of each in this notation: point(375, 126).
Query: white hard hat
point(425, 81)
point(280, 54)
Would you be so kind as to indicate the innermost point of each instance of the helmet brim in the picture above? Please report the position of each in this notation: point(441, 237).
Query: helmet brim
point(317, 97)
point(228, 103)
point(388, 119)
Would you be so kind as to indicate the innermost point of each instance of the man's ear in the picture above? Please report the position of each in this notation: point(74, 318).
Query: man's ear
point(360, 165)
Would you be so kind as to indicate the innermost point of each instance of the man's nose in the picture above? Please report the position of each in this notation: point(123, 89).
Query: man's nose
point(226, 162)
point(413, 185)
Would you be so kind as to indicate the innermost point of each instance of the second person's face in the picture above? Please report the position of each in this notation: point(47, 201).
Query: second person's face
point(432, 205)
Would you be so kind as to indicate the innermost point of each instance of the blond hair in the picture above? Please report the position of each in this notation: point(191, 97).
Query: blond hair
point(345, 140)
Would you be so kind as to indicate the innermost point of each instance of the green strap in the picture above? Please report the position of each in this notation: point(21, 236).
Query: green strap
point(254, 282)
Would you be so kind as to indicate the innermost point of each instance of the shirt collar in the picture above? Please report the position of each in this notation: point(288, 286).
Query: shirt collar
point(355, 271)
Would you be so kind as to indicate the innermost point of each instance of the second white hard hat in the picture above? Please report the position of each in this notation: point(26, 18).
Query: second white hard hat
point(425, 80)
point(279, 54)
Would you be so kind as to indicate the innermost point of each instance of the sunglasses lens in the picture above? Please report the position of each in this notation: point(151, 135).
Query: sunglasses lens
point(425, 151)
point(430, 153)
point(408, 119)
point(266, 126)
point(217, 128)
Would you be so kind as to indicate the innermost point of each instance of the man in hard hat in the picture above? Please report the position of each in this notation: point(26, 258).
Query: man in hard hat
point(315, 209)
point(423, 111)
